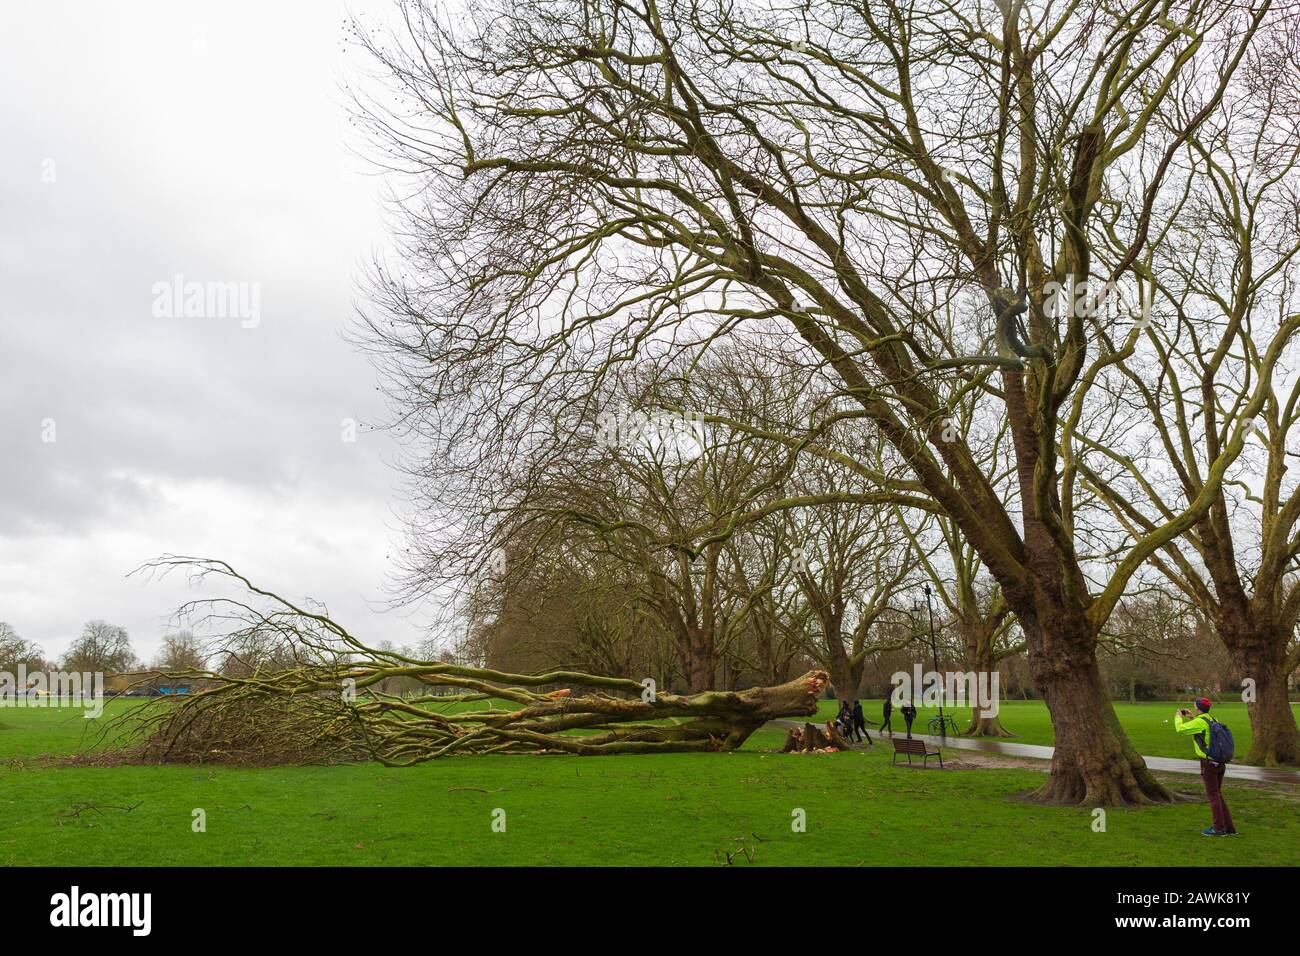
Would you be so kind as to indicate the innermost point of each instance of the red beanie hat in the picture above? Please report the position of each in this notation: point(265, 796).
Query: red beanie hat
point(1203, 704)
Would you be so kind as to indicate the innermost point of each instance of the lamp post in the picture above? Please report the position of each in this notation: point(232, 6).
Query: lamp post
point(934, 650)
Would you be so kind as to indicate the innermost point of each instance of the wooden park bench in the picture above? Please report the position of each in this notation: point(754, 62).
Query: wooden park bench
point(911, 747)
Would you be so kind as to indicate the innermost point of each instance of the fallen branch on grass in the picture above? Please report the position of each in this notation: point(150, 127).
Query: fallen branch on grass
point(77, 809)
point(321, 701)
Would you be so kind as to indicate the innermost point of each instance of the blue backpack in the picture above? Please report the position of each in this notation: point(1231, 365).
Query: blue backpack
point(1219, 748)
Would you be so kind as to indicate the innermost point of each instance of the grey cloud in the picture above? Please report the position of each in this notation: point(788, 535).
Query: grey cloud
point(166, 163)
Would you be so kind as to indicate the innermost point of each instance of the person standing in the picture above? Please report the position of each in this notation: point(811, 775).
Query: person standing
point(860, 723)
point(844, 718)
point(1212, 771)
point(909, 715)
point(887, 723)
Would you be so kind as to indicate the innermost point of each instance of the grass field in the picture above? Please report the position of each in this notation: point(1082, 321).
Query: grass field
point(682, 809)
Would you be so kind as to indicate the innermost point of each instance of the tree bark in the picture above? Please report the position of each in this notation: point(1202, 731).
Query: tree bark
point(812, 738)
point(699, 660)
point(1093, 763)
point(846, 677)
point(984, 725)
point(980, 658)
point(1261, 656)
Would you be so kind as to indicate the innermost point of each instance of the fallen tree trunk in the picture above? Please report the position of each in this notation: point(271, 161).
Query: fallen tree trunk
point(327, 705)
point(291, 717)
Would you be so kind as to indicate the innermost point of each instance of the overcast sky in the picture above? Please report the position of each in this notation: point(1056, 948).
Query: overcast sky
point(146, 140)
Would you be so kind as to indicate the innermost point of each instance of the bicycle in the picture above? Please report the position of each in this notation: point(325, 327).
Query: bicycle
point(943, 726)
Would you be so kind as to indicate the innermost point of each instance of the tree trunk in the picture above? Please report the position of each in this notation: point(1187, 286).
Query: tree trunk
point(1261, 656)
point(699, 661)
point(986, 725)
point(846, 677)
point(1093, 762)
point(837, 739)
point(983, 724)
point(812, 738)
point(283, 718)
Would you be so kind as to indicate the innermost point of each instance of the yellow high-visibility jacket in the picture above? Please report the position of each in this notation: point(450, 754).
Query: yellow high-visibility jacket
point(1196, 725)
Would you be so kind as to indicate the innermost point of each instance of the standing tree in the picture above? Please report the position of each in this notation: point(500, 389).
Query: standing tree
point(601, 180)
point(1145, 631)
point(978, 612)
point(773, 629)
point(568, 606)
point(16, 652)
point(181, 651)
point(1229, 257)
point(102, 648)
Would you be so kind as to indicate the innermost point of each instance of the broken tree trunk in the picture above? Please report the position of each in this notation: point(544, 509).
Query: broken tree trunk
point(315, 716)
point(325, 702)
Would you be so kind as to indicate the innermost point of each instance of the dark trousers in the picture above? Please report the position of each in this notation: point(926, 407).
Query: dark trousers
point(860, 728)
point(908, 721)
point(887, 724)
point(1212, 777)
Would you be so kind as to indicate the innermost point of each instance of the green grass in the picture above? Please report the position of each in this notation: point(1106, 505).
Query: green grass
point(1149, 725)
point(672, 809)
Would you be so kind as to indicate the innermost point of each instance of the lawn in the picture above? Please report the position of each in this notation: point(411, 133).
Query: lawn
point(672, 809)
point(1149, 725)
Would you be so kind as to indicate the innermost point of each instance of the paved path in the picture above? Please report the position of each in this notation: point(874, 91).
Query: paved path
point(1012, 749)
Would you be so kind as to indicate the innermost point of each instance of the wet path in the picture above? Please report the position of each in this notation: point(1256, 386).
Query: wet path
point(1036, 751)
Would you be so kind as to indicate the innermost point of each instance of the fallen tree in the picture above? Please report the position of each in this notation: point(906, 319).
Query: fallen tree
point(321, 701)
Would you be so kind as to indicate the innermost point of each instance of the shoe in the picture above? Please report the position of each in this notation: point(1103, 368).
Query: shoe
point(1210, 831)
point(1229, 833)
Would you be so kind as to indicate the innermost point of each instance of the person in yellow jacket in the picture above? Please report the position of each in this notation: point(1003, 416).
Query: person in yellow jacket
point(1185, 722)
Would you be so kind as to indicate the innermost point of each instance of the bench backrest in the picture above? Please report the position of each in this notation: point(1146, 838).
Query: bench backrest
point(907, 745)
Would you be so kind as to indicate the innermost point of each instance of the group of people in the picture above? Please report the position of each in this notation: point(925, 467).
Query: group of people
point(908, 711)
point(849, 727)
point(852, 723)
